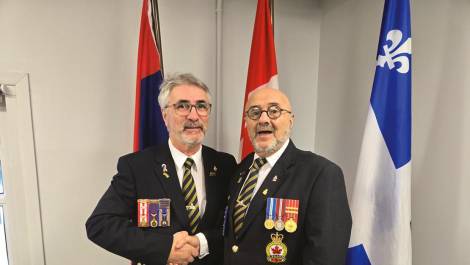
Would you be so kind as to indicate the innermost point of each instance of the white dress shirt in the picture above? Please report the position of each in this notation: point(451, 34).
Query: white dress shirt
point(266, 168)
point(197, 171)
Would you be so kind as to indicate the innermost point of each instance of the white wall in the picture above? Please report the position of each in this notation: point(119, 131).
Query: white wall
point(81, 57)
point(441, 113)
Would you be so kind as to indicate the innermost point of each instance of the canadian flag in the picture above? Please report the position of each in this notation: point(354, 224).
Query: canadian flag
point(262, 70)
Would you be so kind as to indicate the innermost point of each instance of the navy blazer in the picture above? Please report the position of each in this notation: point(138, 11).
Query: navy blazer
point(112, 225)
point(324, 218)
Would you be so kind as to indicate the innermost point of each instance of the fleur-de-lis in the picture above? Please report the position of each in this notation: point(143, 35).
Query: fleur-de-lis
point(396, 54)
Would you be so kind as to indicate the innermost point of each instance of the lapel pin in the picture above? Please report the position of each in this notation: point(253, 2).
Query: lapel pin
point(165, 171)
point(275, 179)
point(212, 173)
point(265, 192)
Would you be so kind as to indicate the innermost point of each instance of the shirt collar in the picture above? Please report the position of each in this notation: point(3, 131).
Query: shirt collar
point(179, 157)
point(272, 159)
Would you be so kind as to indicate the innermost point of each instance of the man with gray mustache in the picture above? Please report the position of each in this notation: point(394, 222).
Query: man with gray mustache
point(166, 203)
point(286, 205)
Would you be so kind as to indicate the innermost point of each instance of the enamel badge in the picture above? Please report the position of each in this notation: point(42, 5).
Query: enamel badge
point(276, 251)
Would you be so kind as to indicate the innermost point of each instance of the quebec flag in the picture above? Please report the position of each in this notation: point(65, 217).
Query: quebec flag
point(381, 233)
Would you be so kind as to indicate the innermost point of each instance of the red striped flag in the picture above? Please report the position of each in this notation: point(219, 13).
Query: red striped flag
point(149, 127)
point(262, 70)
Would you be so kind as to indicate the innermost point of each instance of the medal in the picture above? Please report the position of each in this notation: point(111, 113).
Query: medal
point(153, 212)
point(165, 212)
point(269, 224)
point(142, 213)
point(276, 251)
point(291, 215)
point(154, 209)
point(291, 226)
point(279, 223)
point(270, 212)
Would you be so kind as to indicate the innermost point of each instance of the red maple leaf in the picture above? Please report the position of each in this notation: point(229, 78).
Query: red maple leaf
point(276, 250)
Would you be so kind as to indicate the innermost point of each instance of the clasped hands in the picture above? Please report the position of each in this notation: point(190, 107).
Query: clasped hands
point(184, 249)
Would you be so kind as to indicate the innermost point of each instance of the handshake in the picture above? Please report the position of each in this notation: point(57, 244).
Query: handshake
point(184, 249)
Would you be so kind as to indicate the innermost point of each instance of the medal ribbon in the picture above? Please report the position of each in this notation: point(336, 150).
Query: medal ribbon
point(292, 210)
point(270, 209)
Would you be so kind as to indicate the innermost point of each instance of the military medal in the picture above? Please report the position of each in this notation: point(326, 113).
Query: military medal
point(153, 212)
point(291, 215)
point(276, 251)
point(279, 223)
point(165, 212)
point(270, 213)
point(291, 226)
point(142, 213)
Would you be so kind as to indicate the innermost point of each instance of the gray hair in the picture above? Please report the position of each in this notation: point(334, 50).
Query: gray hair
point(178, 79)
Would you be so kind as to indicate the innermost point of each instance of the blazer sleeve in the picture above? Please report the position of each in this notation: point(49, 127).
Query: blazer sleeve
point(213, 235)
point(328, 222)
point(111, 224)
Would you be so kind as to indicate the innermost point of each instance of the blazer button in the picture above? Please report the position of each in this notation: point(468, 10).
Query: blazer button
point(234, 248)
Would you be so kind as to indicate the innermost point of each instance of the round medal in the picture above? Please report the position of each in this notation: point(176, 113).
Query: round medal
point(291, 226)
point(269, 224)
point(279, 225)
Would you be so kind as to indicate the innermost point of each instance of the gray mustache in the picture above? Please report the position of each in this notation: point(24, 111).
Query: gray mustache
point(190, 124)
point(260, 128)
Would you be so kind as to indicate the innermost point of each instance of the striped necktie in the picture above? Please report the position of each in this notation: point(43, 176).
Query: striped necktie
point(190, 196)
point(246, 194)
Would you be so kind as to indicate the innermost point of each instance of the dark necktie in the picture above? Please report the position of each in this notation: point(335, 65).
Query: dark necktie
point(190, 197)
point(246, 194)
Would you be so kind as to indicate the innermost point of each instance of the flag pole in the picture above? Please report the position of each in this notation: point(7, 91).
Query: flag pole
point(156, 32)
point(271, 8)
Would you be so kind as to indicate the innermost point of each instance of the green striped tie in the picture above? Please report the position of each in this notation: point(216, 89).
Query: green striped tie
point(246, 193)
point(190, 196)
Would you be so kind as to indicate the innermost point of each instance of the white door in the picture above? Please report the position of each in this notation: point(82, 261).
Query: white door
point(20, 226)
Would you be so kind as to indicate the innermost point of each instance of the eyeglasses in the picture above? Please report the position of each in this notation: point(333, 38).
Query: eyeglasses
point(183, 108)
point(273, 111)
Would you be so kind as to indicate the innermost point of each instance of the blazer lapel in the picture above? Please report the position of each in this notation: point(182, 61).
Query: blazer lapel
point(165, 171)
point(210, 175)
point(278, 174)
point(239, 179)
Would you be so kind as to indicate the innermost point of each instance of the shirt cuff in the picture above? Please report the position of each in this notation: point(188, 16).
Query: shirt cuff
point(203, 245)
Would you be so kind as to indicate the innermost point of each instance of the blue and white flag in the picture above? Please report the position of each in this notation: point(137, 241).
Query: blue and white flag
point(381, 233)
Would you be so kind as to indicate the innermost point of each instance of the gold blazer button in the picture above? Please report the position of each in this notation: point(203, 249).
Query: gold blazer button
point(234, 248)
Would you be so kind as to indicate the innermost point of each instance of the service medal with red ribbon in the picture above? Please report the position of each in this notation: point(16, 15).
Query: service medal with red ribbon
point(280, 208)
point(291, 215)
